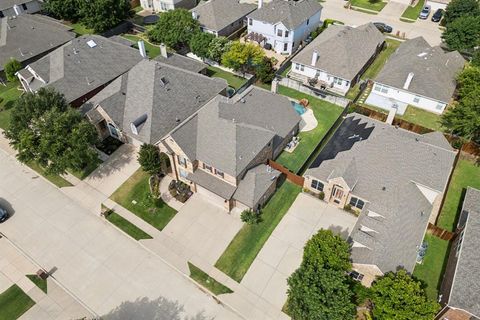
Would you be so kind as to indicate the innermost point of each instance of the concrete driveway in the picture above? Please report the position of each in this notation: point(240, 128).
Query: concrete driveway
point(96, 262)
point(282, 254)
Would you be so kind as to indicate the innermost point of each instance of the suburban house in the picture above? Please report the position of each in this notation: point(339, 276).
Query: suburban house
point(337, 58)
point(11, 8)
point(80, 68)
point(460, 290)
point(393, 178)
point(27, 38)
point(222, 17)
point(283, 25)
point(419, 75)
point(165, 5)
point(223, 149)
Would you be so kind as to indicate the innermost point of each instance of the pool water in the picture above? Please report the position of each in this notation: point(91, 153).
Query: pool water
point(299, 108)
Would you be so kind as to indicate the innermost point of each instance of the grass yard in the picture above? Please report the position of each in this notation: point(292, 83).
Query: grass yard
point(266, 86)
point(127, 227)
point(152, 50)
point(248, 242)
point(82, 174)
point(8, 95)
point(208, 282)
point(39, 282)
point(433, 266)
point(377, 65)
point(326, 114)
point(466, 173)
point(80, 29)
point(413, 12)
point(422, 117)
point(375, 5)
point(53, 178)
point(134, 195)
point(13, 303)
point(232, 79)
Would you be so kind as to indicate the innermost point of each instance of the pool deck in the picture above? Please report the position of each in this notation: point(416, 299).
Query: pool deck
point(308, 122)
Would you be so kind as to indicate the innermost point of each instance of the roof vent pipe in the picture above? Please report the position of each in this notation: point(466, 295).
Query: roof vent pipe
point(141, 48)
point(408, 80)
point(314, 58)
point(134, 126)
point(163, 50)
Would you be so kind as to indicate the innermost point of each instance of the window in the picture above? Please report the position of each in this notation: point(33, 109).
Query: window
point(357, 203)
point(380, 88)
point(439, 106)
point(308, 21)
point(297, 66)
point(286, 33)
point(24, 6)
point(207, 167)
point(182, 161)
point(219, 173)
point(163, 6)
point(285, 46)
point(113, 131)
point(337, 81)
point(250, 22)
point(183, 173)
point(317, 185)
point(302, 67)
point(416, 99)
point(279, 32)
point(459, 243)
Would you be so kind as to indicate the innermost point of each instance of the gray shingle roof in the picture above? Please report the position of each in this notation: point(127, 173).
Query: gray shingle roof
point(7, 4)
point(255, 184)
point(76, 69)
point(342, 51)
point(212, 183)
point(229, 134)
point(28, 36)
point(465, 292)
point(218, 14)
point(290, 13)
point(166, 94)
point(434, 70)
point(177, 60)
point(390, 162)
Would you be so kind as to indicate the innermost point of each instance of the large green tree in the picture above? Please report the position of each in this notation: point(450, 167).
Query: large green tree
point(174, 28)
point(149, 158)
point(11, 67)
point(463, 33)
point(243, 56)
point(200, 42)
point(460, 8)
point(218, 46)
point(63, 9)
point(397, 296)
point(102, 15)
point(44, 129)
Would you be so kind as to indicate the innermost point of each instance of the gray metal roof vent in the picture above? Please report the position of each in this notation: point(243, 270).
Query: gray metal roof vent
point(135, 125)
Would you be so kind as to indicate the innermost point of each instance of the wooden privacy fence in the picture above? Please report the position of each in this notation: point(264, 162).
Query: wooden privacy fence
point(440, 233)
point(292, 177)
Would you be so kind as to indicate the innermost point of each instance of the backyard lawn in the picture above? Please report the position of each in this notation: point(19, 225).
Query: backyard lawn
point(13, 303)
point(466, 173)
point(375, 5)
point(134, 195)
point(232, 79)
point(208, 282)
point(248, 242)
point(39, 282)
point(127, 227)
point(423, 118)
point(434, 263)
point(326, 114)
point(413, 12)
point(152, 50)
point(8, 95)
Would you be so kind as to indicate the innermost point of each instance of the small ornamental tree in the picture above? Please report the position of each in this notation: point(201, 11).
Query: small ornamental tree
point(217, 47)
point(243, 57)
point(264, 71)
point(397, 296)
point(251, 217)
point(200, 42)
point(174, 28)
point(149, 159)
point(11, 67)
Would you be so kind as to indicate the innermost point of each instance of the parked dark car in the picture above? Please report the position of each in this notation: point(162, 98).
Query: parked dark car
point(3, 214)
point(437, 16)
point(382, 27)
point(425, 12)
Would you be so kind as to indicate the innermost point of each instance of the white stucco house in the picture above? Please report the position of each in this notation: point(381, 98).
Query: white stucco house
point(165, 5)
point(283, 24)
point(10, 8)
point(418, 75)
point(336, 59)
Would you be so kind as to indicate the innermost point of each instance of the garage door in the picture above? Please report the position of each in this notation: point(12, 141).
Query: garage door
point(211, 196)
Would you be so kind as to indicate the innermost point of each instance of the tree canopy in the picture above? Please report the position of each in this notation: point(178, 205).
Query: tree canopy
point(397, 296)
point(149, 159)
point(218, 46)
point(460, 8)
point(102, 15)
point(265, 71)
point(174, 28)
point(63, 9)
point(200, 42)
point(463, 33)
point(44, 129)
point(243, 56)
point(10, 68)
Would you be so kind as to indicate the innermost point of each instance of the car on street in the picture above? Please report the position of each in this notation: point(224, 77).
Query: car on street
point(437, 16)
point(425, 12)
point(3, 214)
point(382, 27)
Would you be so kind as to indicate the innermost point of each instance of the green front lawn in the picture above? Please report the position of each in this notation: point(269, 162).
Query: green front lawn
point(423, 118)
point(8, 95)
point(134, 195)
point(326, 114)
point(433, 266)
point(82, 174)
point(208, 282)
point(466, 173)
point(375, 5)
point(152, 50)
point(127, 227)
point(39, 282)
point(80, 29)
point(377, 65)
point(53, 178)
point(413, 12)
point(13, 303)
point(248, 242)
point(232, 79)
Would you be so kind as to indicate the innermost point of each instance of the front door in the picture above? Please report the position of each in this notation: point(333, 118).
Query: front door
point(337, 194)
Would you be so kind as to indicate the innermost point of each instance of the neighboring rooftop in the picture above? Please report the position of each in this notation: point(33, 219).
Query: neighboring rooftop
point(255, 184)
point(432, 70)
point(342, 51)
point(183, 62)
point(218, 14)
point(7, 4)
point(290, 13)
point(82, 65)
point(465, 291)
point(165, 94)
point(27, 36)
point(229, 134)
point(396, 172)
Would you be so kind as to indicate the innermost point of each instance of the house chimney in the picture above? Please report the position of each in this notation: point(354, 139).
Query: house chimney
point(408, 81)
point(260, 4)
point(141, 48)
point(314, 58)
point(391, 114)
point(274, 85)
point(194, 15)
point(163, 50)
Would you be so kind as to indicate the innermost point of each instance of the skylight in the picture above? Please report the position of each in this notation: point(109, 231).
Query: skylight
point(91, 43)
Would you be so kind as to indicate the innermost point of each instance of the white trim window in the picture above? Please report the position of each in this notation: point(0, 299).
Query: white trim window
point(416, 99)
point(381, 88)
point(337, 81)
point(317, 185)
point(357, 203)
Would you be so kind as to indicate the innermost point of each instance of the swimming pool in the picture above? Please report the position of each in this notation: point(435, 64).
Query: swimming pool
point(299, 108)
